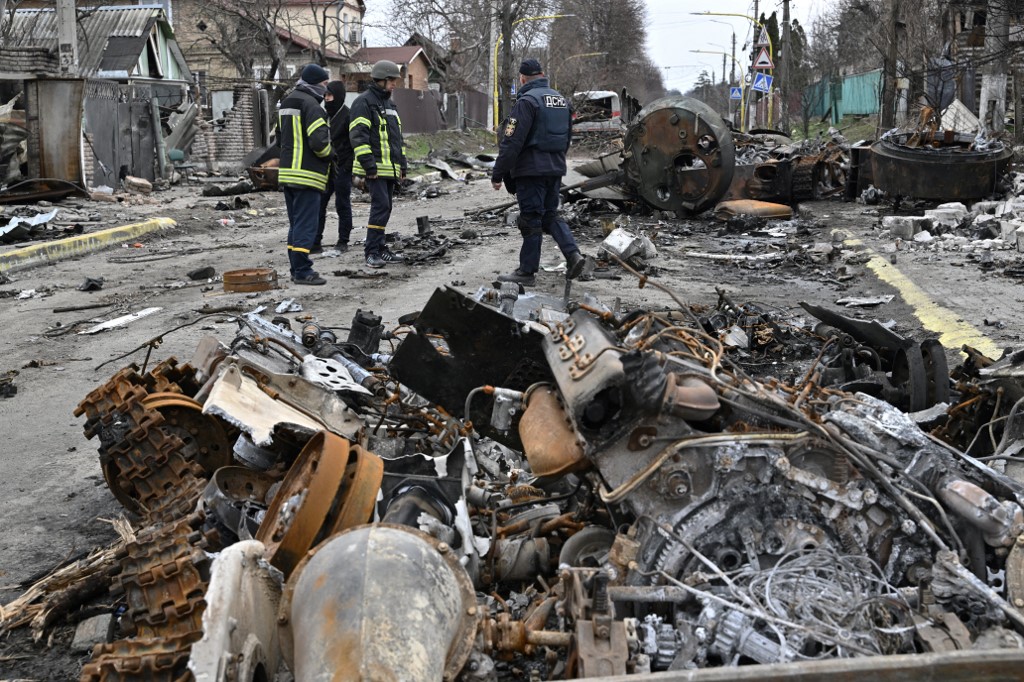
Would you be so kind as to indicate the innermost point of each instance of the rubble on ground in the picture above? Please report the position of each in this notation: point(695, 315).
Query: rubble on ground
point(508, 486)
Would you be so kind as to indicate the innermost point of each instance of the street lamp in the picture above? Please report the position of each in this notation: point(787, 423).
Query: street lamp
point(579, 56)
point(495, 56)
point(758, 24)
point(743, 90)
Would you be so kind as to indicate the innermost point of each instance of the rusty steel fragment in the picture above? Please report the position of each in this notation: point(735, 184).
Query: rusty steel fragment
point(943, 166)
point(331, 485)
point(679, 155)
point(250, 279)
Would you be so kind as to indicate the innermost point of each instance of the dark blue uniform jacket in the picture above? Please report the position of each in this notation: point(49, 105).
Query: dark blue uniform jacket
point(537, 135)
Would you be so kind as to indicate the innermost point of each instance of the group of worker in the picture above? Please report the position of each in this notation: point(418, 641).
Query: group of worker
point(324, 144)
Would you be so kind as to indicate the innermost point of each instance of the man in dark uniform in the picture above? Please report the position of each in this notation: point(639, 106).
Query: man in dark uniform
point(305, 162)
point(376, 135)
point(531, 163)
point(339, 183)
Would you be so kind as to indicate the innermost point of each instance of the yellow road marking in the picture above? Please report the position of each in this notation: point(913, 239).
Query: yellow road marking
point(953, 332)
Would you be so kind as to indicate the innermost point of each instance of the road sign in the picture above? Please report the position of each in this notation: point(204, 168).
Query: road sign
point(762, 39)
point(762, 83)
point(735, 93)
point(763, 61)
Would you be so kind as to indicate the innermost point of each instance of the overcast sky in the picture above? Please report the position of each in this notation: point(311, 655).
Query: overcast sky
point(673, 30)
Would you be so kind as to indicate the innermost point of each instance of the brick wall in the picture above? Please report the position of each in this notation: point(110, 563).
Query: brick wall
point(221, 147)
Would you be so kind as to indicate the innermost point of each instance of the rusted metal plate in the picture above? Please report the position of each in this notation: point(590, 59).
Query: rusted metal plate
point(250, 279)
point(300, 510)
point(679, 155)
point(60, 127)
point(363, 476)
point(938, 168)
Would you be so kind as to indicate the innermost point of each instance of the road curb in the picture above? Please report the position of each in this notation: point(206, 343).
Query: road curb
point(79, 245)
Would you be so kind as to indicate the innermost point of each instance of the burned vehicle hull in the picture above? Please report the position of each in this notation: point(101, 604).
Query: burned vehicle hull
point(942, 165)
point(640, 505)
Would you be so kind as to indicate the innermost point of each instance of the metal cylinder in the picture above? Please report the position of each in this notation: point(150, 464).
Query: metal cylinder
point(380, 602)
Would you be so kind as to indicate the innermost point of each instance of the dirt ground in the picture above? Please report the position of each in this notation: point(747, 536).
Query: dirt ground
point(56, 506)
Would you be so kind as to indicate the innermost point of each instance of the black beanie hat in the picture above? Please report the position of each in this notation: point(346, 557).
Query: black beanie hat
point(314, 73)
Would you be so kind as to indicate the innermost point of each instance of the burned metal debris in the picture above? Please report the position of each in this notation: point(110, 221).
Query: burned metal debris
point(525, 490)
point(941, 165)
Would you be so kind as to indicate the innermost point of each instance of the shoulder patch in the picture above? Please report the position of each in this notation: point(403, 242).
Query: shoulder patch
point(510, 127)
point(555, 102)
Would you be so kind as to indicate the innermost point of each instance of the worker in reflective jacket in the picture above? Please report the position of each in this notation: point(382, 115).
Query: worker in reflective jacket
point(376, 135)
point(530, 164)
point(305, 164)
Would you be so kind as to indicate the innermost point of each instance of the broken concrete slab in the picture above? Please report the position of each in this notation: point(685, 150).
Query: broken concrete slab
point(905, 227)
point(92, 631)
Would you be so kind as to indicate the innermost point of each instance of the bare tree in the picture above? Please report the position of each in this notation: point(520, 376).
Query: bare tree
point(613, 32)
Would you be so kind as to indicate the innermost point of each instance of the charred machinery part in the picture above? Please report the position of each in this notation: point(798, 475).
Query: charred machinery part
point(470, 344)
point(1001, 523)
point(878, 361)
point(240, 637)
point(292, 341)
point(678, 155)
point(204, 438)
point(145, 462)
point(257, 400)
point(366, 332)
point(399, 606)
point(235, 501)
point(507, 405)
point(549, 442)
point(159, 658)
point(423, 506)
point(331, 486)
point(507, 296)
point(588, 548)
point(600, 641)
point(943, 165)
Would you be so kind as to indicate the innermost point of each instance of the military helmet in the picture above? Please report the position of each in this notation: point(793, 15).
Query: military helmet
point(385, 69)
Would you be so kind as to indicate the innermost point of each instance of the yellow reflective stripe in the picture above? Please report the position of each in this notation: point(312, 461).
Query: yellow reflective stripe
point(360, 120)
point(323, 153)
point(314, 125)
point(385, 143)
point(295, 248)
point(305, 173)
point(363, 149)
point(375, 227)
point(296, 142)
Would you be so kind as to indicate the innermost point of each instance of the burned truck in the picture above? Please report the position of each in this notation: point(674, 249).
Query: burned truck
point(527, 490)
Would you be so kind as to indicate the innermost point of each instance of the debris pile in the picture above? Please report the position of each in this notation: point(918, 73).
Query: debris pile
point(521, 489)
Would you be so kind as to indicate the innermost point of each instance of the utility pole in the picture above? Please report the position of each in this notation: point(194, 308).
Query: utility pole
point(723, 66)
point(67, 38)
point(505, 83)
point(732, 71)
point(492, 84)
point(887, 117)
point(785, 75)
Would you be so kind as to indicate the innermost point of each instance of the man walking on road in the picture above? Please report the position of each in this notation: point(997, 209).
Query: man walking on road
point(531, 163)
point(305, 162)
point(376, 135)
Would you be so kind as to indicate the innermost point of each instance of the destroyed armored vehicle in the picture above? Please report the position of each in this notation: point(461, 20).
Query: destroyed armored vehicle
point(527, 491)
